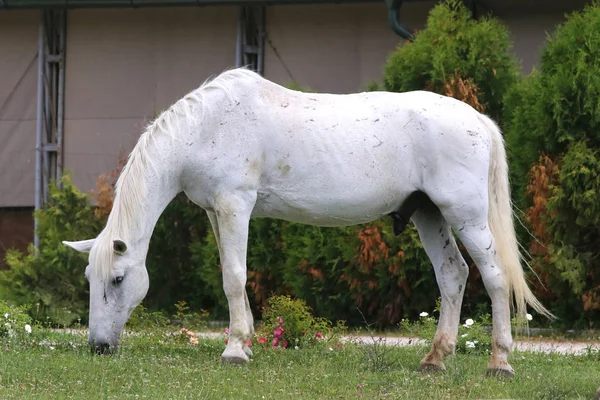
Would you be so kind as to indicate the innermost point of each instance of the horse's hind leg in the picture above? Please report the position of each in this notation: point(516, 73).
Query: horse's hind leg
point(212, 217)
point(451, 273)
point(470, 222)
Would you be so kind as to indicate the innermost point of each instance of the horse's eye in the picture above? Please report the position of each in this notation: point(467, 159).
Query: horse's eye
point(117, 280)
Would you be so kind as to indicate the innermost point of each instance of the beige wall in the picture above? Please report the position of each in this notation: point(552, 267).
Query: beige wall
point(18, 93)
point(334, 48)
point(124, 66)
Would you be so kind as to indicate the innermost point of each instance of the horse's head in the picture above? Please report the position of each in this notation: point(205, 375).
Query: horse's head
point(115, 290)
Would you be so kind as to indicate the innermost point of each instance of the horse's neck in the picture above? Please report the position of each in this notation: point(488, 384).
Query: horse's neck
point(161, 186)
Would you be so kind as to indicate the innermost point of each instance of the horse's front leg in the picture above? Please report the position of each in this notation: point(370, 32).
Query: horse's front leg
point(212, 216)
point(233, 217)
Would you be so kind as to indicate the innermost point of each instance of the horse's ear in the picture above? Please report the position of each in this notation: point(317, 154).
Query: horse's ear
point(83, 246)
point(119, 246)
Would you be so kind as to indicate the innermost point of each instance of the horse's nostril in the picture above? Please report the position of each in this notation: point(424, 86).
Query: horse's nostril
point(100, 347)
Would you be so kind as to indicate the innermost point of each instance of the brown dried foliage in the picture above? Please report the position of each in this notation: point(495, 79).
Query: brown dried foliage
point(372, 248)
point(462, 89)
point(542, 177)
point(104, 193)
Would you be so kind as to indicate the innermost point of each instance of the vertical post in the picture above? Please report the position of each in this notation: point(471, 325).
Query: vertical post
point(261, 10)
point(40, 126)
point(240, 34)
point(61, 95)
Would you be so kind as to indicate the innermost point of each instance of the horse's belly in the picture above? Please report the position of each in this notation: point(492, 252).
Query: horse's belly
point(332, 204)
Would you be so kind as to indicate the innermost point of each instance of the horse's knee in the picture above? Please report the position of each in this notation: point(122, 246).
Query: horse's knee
point(234, 283)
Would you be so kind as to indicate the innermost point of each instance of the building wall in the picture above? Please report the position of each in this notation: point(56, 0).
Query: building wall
point(18, 93)
point(332, 48)
point(126, 65)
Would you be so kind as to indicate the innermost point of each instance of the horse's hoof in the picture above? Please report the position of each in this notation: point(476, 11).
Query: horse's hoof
point(507, 373)
point(234, 356)
point(430, 367)
point(247, 350)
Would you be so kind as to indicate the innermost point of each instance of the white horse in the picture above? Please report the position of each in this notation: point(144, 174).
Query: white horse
point(241, 146)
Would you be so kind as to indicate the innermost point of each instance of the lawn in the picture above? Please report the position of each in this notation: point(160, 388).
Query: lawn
point(50, 365)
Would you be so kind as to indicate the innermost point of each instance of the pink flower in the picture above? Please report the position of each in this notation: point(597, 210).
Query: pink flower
point(358, 385)
point(278, 332)
point(191, 333)
point(249, 342)
point(280, 320)
point(275, 341)
point(262, 340)
point(183, 330)
point(319, 335)
point(227, 331)
point(226, 341)
point(194, 340)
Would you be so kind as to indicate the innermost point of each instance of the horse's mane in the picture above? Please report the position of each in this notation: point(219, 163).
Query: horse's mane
point(130, 188)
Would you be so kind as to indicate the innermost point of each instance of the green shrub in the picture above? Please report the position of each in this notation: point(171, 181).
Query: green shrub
point(289, 323)
point(54, 280)
point(456, 55)
point(554, 113)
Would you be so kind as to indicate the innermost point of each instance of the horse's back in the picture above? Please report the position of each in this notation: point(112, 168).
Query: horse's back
point(343, 159)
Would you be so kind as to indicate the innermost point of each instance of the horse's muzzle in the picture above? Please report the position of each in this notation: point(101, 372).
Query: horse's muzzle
point(102, 347)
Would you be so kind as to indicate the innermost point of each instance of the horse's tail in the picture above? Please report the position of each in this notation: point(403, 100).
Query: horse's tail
point(500, 219)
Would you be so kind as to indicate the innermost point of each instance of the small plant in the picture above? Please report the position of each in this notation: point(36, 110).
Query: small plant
point(289, 323)
point(143, 320)
point(185, 336)
point(14, 321)
point(192, 320)
point(379, 356)
point(474, 337)
point(424, 328)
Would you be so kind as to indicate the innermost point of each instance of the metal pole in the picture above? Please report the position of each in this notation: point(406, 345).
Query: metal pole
point(61, 97)
point(260, 62)
point(47, 81)
point(39, 127)
point(238, 43)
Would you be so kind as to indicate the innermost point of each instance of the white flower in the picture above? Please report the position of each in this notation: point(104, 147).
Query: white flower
point(28, 328)
point(529, 317)
point(51, 347)
point(470, 345)
point(464, 335)
point(296, 348)
point(331, 349)
point(7, 324)
point(423, 314)
point(468, 323)
point(5, 315)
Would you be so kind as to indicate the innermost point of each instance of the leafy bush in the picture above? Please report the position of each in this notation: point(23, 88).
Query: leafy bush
point(142, 319)
point(458, 56)
point(288, 322)
point(552, 121)
point(14, 321)
point(54, 280)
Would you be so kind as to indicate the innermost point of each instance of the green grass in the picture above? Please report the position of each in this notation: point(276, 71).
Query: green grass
point(154, 367)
